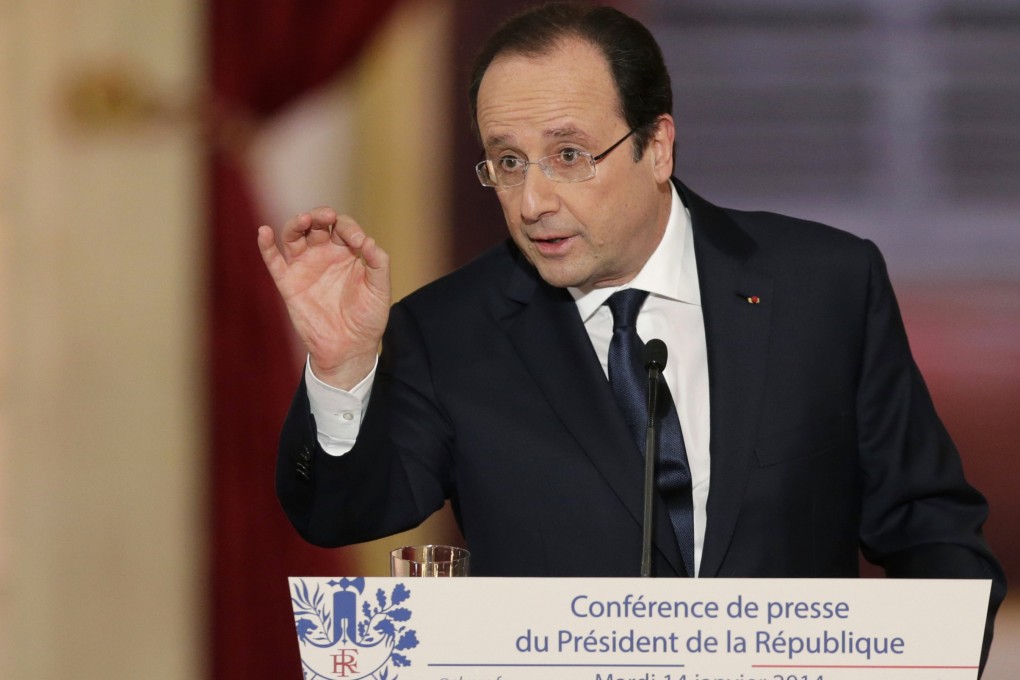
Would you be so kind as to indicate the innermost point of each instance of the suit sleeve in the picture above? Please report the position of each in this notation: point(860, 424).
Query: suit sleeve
point(920, 518)
point(398, 472)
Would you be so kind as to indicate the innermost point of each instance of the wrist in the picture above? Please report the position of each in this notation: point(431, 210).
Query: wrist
point(345, 375)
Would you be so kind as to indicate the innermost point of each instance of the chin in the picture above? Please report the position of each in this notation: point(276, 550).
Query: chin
point(559, 278)
point(561, 272)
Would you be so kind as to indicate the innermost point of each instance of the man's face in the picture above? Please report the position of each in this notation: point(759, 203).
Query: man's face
point(588, 234)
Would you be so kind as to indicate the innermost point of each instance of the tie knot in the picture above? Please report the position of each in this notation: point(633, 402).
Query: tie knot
point(624, 304)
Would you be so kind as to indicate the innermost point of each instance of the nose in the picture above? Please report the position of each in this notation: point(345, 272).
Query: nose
point(539, 195)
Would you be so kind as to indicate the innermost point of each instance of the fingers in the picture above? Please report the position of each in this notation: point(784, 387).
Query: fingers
point(319, 227)
point(374, 256)
point(270, 253)
point(306, 230)
point(347, 232)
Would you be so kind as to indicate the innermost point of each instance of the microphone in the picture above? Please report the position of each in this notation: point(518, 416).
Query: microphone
point(654, 357)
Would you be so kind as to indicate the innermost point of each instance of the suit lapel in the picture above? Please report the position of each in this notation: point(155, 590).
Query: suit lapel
point(737, 334)
point(546, 330)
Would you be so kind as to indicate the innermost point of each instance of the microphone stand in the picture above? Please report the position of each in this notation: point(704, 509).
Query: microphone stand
point(655, 359)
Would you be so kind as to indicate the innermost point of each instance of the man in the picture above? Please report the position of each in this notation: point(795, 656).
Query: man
point(804, 433)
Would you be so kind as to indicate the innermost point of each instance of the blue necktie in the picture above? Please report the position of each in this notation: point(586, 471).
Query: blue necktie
point(629, 380)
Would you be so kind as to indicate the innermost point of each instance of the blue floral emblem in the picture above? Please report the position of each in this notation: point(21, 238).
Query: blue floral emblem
point(343, 636)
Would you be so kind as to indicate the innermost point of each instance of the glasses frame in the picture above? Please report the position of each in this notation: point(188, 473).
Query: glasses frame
point(482, 168)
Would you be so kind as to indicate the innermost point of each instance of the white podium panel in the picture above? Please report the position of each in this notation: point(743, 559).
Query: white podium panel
point(638, 629)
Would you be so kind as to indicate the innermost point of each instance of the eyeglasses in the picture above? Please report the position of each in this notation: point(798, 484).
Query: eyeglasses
point(568, 165)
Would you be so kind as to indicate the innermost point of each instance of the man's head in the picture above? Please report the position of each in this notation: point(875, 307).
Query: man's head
point(643, 88)
point(562, 84)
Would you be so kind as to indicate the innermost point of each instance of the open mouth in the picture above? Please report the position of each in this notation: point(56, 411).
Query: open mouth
point(552, 246)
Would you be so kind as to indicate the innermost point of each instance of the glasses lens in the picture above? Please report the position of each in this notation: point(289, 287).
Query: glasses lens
point(483, 170)
point(496, 174)
point(569, 166)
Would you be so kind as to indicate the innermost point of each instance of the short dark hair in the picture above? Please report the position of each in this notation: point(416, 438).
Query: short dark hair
point(634, 58)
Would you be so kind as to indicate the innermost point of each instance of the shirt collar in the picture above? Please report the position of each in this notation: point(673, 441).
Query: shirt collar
point(660, 276)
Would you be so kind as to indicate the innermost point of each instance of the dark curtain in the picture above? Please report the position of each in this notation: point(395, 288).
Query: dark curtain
point(264, 54)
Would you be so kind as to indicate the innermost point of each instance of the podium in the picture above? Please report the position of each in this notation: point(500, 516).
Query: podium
point(480, 628)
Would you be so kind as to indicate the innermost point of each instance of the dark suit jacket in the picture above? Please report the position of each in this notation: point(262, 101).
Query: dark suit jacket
point(824, 440)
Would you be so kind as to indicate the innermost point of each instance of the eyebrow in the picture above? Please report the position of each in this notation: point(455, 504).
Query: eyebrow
point(566, 132)
point(569, 131)
point(499, 140)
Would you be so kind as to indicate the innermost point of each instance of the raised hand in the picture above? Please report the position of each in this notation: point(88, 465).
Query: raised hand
point(335, 281)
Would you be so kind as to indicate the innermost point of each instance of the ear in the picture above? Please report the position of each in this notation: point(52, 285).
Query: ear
point(660, 148)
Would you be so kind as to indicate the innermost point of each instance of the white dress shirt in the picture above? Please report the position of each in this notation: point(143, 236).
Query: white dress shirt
point(672, 313)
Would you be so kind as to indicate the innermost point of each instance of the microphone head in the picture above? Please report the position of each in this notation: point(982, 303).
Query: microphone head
point(655, 354)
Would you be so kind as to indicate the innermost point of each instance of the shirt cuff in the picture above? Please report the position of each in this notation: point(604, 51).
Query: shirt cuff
point(337, 412)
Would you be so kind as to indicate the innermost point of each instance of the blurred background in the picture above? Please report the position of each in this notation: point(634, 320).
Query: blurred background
point(146, 364)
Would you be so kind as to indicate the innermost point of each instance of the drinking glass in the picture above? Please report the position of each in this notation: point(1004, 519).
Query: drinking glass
point(429, 560)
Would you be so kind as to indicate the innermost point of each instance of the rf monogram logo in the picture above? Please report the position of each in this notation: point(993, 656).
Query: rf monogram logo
point(345, 664)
